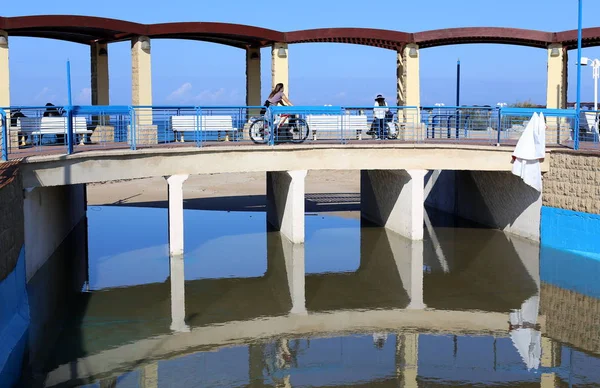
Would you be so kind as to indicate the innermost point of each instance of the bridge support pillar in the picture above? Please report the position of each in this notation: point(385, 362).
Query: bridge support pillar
point(253, 84)
point(394, 199)
point(285, 203)
point(556, 92)
point(280, 66)
point(408, 91)
point(175, 194)
point(496, 199)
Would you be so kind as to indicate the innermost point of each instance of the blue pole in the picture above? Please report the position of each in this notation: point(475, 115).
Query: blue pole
point(457, 96)
point(69, 111)
point(4, 123)
point(578, 103)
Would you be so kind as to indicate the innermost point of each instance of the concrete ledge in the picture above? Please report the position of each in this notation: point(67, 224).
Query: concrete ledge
point(100, 166)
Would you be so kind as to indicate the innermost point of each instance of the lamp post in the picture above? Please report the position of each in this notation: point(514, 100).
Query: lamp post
point(578, 103)
point(596, 74)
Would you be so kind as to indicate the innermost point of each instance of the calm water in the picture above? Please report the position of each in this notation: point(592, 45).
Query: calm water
point(466, 307)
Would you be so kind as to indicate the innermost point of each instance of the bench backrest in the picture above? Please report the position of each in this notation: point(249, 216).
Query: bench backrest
point(51, 125)
point(206, 123)
point(331, 126)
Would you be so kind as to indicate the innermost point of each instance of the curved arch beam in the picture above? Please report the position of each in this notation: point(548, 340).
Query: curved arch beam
point(453, 36)
point(393, 40)
point(88, 29)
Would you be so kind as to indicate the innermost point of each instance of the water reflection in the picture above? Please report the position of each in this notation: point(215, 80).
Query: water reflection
point(355, 305)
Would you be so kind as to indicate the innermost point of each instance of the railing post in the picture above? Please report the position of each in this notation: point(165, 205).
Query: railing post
point(499, 124)
point(271, 123)
point(4, 126)
point(70, 139)
point(198, 134)
point(133, 126)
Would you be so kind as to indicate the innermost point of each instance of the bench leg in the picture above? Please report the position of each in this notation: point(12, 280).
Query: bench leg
point(181, 139)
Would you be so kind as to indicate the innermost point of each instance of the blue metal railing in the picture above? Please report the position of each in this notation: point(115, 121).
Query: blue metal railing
point(78, 128)
point(4, 128)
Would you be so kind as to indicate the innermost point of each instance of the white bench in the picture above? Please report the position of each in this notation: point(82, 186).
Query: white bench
point(217, 123)
point(336, 126)
point(38, 126)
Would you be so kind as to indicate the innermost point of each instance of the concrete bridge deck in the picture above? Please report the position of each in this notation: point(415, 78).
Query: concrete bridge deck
point(106, 165)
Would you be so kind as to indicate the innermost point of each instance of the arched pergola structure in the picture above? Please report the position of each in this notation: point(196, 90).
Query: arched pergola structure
point(99, 32)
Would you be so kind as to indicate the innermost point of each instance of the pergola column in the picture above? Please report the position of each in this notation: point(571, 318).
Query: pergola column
point(141, 90)
point(556, 92)
point(253, 97)
point(5, 86)
point(280, 66)
point(99, 73)
point(408, 90)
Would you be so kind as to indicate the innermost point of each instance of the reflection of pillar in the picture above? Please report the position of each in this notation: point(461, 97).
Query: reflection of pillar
point(280, 66)
point(149, 376)
point(177, 277)
point(407, 359)
point(294, 266)
point(285, 269)
point(408, 257)
point(256, 365)
point(551, 358)
point(110, 382)
point(175, 183)
point(394, 199)
point(285, 203)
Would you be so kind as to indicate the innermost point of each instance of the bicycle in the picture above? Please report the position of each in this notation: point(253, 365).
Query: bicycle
point(289, 129)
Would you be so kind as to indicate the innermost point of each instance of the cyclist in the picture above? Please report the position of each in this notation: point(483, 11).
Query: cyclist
point(278, 97)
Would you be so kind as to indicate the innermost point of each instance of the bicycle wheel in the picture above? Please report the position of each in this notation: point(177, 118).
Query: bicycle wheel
point(300, 131)
point(257, 132)
point(394, 134)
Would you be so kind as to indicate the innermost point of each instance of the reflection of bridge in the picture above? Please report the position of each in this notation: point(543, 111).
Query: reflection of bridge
point(388, 292)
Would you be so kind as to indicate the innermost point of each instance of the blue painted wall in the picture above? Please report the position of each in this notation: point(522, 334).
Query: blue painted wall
point(570, 250)
point(571, 231)
point(14, 323)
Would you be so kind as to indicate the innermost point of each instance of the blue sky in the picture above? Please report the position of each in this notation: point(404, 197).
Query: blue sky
point(320, 73)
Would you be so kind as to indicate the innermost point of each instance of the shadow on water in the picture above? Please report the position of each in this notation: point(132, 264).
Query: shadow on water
point(314, 203)
point(355, 305)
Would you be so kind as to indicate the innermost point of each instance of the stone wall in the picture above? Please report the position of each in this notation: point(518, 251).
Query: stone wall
point(573, 182)
point(11, 219)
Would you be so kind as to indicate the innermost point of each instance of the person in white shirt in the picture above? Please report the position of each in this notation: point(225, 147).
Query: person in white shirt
point(380, 112)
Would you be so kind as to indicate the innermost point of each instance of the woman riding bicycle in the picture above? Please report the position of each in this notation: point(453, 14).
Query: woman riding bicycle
point(277, 96)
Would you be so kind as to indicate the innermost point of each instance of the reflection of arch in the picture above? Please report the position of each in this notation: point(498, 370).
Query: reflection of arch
point(88, 29)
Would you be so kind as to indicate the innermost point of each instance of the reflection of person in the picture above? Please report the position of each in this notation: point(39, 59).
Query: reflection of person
point(379, 340)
